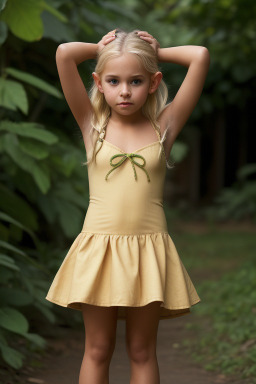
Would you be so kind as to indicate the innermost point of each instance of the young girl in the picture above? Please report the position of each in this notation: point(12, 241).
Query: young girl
point(123, 264)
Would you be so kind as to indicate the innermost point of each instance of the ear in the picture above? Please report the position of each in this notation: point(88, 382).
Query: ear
point(97, 81)
point(155, 81)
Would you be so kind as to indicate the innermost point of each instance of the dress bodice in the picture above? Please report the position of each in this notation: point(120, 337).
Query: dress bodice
point(128, 198)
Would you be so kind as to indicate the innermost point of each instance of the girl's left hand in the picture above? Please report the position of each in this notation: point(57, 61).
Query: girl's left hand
point(150, 39)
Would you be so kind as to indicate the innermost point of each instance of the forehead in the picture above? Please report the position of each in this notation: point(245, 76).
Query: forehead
point(126, 65)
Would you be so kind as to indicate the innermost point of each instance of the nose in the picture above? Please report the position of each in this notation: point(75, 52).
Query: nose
point(125, 91)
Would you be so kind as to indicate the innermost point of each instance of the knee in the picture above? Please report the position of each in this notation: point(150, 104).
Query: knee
point(140, 352)
point(100, 351)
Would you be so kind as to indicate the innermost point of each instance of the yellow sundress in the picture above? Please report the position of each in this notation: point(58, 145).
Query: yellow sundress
point(124, 255)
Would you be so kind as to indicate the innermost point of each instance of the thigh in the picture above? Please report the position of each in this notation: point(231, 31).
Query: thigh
point(100, 323)
point(142, 326)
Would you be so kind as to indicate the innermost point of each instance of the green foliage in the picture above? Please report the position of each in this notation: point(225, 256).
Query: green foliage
point(43, 188)
point(35, 81)
point(3, 32)
point(237, 202)
point(12, 320)
point(226, 28)
point(16, 268)
point(229, 343)
point(2, 4)
point(179, 151)
point(13, 96)
point(23, 18)
point(27, 163)
point(30, 130)
point(17, 209)
point(223, 323)
point(11, 356)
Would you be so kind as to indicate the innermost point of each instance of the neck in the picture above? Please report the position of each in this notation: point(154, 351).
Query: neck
point(127, 120)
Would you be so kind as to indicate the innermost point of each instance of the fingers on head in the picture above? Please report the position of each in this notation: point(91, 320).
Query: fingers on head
point(144, 35)
point(111, 32)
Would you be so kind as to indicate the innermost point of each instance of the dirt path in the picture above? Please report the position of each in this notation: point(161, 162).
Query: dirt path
point(62, 362)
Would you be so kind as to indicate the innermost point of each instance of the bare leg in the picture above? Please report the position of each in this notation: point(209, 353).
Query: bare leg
point(141, 340)
point(100, 338)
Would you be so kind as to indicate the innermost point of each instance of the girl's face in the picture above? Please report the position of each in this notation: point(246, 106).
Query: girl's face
point(126, 84)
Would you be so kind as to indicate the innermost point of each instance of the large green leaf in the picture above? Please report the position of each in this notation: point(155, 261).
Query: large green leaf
point(26, 163)
point(66, 163)
point(23, 18)
point(18, 208)
point(8, 262)
point(11, 356)
point(11, 220)
point(13, 320)
point(13, 96)
point(64, 191)
point(34, 148)
point(52, 9)
point(56, 30)
point(32, 130)
point(35, 81)
point(70, 217)
point(16, 251)
point(35, 339)
point(10, 247)
point(2, 4)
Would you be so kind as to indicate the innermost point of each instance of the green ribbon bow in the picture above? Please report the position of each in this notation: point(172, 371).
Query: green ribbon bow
point(129, 156)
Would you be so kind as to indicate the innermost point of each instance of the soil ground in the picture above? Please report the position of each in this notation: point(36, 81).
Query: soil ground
point(61, 364)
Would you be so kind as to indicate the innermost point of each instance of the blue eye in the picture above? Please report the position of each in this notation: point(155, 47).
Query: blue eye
point(137, 81)
point(113, 81)
point(134, 82)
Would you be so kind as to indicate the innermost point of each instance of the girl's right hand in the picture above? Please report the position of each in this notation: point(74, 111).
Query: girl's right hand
point(106, 39)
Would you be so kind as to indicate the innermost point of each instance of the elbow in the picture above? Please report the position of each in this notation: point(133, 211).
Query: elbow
point(61, 51)
point(204, 56)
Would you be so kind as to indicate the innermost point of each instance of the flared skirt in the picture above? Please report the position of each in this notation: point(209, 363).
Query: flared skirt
point(124, 271)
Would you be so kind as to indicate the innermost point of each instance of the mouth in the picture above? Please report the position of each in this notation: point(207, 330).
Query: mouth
point(125, 104)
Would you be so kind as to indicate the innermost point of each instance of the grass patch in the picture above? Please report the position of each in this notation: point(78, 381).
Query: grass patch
point(222, 266)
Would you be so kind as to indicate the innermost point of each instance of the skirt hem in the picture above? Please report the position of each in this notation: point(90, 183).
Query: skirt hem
point(76, 304)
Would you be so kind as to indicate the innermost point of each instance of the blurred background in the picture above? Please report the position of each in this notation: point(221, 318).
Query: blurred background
point(210, 195)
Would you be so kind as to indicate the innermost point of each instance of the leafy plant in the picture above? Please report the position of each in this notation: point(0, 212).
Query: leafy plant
point(43, 188)
point(239, 201)
point(228, 340)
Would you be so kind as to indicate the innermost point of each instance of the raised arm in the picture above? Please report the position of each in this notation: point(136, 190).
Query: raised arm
point(197, 59)
point(68, 57)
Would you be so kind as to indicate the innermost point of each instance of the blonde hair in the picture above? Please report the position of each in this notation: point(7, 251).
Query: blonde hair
point(155, 103)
